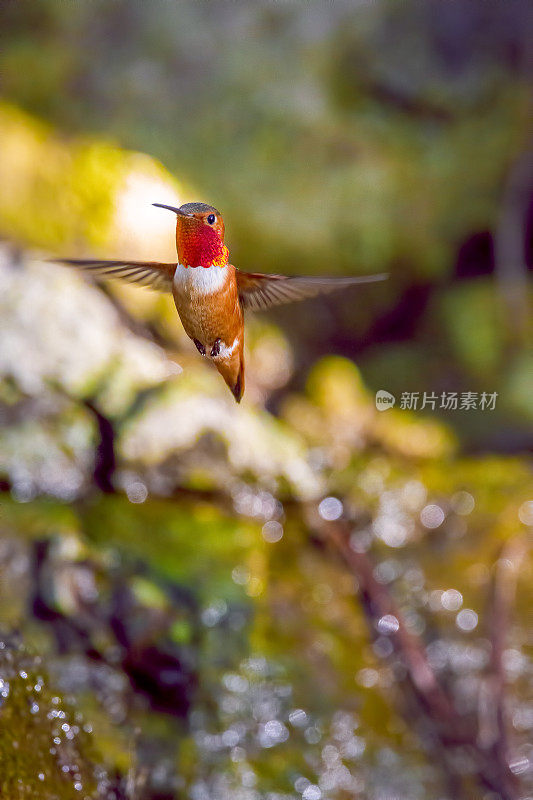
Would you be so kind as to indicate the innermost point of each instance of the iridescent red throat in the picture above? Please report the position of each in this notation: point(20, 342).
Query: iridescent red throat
point(200, 246)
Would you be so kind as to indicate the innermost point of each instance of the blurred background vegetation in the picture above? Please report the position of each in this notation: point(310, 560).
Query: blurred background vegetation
point(206, 601)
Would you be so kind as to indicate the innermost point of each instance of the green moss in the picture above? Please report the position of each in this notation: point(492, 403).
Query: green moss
point(37, 757)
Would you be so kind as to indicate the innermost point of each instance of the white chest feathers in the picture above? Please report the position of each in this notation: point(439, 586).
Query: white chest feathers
point(203, 280)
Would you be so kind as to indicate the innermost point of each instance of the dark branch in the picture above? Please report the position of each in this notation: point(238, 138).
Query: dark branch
point(435, 708)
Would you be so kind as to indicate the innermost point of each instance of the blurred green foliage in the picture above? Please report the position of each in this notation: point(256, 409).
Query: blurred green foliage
point(334, 140)
point(408, 151)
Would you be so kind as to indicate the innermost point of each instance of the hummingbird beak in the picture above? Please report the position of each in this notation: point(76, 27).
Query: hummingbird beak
point(172, 208)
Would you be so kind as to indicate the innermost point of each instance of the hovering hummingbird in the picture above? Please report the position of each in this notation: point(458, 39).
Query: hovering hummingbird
point(210, 293)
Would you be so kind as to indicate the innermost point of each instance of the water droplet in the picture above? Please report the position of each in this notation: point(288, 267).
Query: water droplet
point(383, 647)
point(330, 509)
point(519, 765)
point(463, 503)
point(311, 792)
point(367, 677)
point(301, 784)
point(525, 512)
point(137, 492)
point(388, 624)
point(272, 531)
point(214, 613)
point(312, 735)
point(466, 619)
point(235, 683)
point(230, 737)
point(451, 600)
point(273, 733)
point(298, 718)
point(432, 516)
point(239, 575)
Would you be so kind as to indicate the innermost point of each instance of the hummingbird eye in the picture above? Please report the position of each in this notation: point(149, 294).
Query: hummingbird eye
point(211, 219)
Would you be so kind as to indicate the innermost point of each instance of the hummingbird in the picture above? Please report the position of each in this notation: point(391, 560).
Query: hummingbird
point(210, 294)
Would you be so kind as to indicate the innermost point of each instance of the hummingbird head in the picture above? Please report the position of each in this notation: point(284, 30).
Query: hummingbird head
point(199, 235)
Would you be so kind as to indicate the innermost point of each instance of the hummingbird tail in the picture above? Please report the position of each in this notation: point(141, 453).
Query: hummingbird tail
point(232, 370)
point(238, 389)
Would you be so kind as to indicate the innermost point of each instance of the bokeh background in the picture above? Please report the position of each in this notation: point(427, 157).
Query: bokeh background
point(301, 596)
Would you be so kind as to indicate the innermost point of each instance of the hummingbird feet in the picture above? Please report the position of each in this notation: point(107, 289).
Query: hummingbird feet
point(215, 350)
point(199, 347)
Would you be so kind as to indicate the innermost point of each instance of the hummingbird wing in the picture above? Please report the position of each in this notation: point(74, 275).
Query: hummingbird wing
point(154, 274)
point(259, 291)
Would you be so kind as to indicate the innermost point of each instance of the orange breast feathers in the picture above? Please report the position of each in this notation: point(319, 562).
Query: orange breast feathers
point(199, 245)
